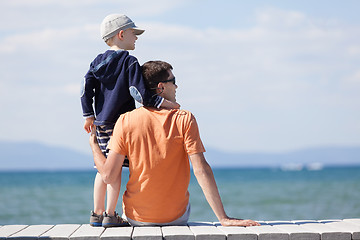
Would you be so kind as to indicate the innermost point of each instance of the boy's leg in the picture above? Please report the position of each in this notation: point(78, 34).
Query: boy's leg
point(111, 218)
point(103, 134)
point(113, 191)
point(99, 194)
point(96, 217)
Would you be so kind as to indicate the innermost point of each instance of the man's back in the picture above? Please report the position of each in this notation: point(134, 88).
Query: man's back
point(157, 142)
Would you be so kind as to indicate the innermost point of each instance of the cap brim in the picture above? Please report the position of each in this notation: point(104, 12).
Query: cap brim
point(138, 31)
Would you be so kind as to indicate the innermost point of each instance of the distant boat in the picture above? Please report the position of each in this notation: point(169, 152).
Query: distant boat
point(316, 166)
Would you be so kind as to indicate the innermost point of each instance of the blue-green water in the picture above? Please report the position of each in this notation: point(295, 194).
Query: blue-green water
point(260, 194)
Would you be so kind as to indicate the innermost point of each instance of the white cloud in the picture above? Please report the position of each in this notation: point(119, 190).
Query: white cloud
point(160, 4)
point(276, 18)
point(355, 78)
point(25, 15)
point(284, 76)
point(45, 39)
point(72, 89)
point(283, 63)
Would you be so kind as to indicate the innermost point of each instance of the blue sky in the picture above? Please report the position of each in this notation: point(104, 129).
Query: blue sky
point(267, 76)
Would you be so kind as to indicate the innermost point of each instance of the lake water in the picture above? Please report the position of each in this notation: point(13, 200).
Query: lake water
point(259, 194)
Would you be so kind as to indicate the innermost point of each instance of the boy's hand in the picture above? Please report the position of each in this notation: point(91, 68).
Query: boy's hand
point(89, 124)
point(170, 105)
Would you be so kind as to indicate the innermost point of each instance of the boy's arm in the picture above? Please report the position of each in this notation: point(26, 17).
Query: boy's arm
point(87, 95)
point(139, 91)
point(89, 124)
point(169, 105)
point(206, 180)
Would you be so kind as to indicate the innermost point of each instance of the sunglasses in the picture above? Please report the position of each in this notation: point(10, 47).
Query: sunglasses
point(170, 80)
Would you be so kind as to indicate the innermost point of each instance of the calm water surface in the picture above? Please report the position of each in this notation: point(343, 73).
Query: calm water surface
point(260, 194)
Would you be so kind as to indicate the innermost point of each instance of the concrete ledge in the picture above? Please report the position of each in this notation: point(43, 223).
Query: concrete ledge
point(345, 229)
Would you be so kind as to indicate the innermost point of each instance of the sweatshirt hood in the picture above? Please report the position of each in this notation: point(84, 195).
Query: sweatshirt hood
point(105, 66)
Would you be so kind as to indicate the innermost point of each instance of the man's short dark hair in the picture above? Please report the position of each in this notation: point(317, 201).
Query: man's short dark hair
point(155, 72)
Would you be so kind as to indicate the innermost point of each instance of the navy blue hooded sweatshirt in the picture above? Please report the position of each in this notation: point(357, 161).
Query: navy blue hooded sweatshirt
point(114, 80)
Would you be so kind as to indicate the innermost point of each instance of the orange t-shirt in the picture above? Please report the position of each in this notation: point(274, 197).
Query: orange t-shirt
point(157, 143)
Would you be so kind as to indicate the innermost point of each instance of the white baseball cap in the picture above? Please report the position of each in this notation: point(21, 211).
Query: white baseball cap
point(114, 23)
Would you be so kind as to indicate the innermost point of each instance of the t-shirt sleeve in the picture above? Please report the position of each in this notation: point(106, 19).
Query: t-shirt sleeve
point(116, 142)
point(192, 140)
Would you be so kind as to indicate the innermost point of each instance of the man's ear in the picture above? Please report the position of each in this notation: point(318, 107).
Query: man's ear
point(160, 87)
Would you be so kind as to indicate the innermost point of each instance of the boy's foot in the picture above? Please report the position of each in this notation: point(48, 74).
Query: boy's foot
point(113, 221)
point(96, 220)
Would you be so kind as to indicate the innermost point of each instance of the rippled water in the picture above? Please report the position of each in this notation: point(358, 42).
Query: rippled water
point(260, 194)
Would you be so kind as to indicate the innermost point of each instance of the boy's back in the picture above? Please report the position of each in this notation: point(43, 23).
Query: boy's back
point(114, 80)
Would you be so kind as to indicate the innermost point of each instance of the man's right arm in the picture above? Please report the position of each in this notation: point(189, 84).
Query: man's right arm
point(206, 180)
point(110, 167)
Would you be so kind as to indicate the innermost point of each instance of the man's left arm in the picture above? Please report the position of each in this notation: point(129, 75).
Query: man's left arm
point(110, 167)
point(206, 180)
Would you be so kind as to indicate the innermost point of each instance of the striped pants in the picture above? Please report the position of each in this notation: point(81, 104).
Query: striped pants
point(103, 134)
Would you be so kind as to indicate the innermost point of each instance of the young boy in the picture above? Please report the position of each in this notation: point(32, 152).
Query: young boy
point(114, 80)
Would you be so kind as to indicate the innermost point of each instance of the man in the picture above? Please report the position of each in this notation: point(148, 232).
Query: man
point(159, 143)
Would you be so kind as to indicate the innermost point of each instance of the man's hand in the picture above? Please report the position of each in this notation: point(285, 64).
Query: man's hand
point(92, 140)
point(238, 222)
point(89, 124)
